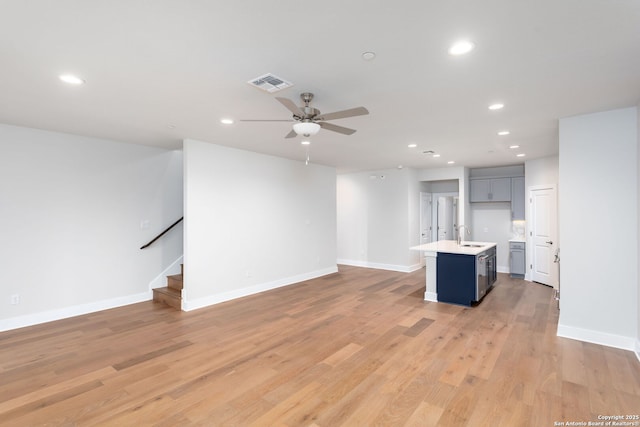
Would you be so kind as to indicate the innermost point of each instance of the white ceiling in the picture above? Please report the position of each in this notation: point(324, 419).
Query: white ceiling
point(159, 71)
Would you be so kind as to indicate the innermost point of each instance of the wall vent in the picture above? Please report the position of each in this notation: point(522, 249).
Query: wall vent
point(270, 83)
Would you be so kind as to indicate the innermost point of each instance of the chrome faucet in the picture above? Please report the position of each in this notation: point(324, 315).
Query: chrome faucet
point(460, 233)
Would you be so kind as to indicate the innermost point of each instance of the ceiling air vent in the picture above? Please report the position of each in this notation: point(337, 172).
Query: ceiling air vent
point(270, 83)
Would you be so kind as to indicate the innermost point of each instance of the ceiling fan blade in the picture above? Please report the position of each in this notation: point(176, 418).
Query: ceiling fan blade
point(291, 106)
point(358, 111)
point(266, 120)
point(291, 134)
point(336, 128)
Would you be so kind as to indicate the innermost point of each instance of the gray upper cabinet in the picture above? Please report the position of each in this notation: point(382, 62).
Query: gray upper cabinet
point(517, 198)
point(490, 190)
point(479, 190)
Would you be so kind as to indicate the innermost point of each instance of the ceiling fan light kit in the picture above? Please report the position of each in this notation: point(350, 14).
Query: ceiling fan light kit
point(306, 128)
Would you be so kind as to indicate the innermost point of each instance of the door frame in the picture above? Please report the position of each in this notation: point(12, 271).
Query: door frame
point(529, 219)
point(434, 212)
point(428, 209)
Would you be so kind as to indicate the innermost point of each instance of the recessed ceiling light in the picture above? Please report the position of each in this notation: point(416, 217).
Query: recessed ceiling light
point(497, 106)
point(504, 132)
point(436, 155)
point(412, 145)
point(461, 47)
point(305, 142)
point(520, 155)
point(226, 121)
point(450, 162)
point(71, 79)
point(514, 146)
point(400, 167)
point(369, 56)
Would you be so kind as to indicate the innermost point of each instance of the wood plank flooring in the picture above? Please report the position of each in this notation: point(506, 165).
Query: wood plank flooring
point(356, 348)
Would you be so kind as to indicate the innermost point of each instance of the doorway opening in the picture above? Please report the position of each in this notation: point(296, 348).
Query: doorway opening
point(438, 210)
point(543, 235)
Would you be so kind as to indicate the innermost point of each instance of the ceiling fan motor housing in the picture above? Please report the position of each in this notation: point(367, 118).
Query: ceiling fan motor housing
point(309, 113)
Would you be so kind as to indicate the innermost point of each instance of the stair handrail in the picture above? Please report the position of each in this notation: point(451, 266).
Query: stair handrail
point(162, 234)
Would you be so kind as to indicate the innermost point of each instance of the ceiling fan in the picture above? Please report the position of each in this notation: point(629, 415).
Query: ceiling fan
point(309, 120)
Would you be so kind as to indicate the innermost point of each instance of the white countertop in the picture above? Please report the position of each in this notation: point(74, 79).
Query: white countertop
point(451, 247)
point(518, 240)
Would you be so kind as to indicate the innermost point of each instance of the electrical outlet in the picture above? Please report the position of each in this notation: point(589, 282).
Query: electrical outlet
point(15, 299)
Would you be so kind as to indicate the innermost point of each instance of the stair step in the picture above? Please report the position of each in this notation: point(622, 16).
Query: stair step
point(175, 281)
point(169, 296)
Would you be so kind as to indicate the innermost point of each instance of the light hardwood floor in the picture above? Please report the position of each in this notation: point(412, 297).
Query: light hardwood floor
point(357, 348)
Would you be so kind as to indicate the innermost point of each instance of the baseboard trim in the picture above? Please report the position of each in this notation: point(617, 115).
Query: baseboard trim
point(77, 310)
point(601, 338)
point(189, 305)
point(638, 350)
point(431, 296)
point(380, 266)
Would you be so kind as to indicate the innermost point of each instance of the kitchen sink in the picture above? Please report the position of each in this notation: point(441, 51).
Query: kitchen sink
point(471, 245)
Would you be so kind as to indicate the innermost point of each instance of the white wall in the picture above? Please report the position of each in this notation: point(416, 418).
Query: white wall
point(598, 190)
point(542, 171)
point(378, 219)
point(253, 222)
point(448, 186)
point(71, 209)
point(413, 237)
point(638, 207)
point(491, 222)
point(461, 174)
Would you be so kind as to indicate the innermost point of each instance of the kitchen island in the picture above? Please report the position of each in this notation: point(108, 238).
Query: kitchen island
point(458, 273)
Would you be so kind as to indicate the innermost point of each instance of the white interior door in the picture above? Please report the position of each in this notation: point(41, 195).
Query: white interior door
point(425, 218)
point(543, 233)
point(445, 218)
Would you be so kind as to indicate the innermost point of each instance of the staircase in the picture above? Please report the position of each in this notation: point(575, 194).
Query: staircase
point(172, 293)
